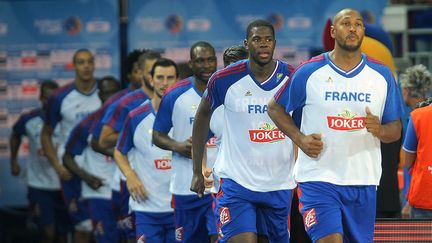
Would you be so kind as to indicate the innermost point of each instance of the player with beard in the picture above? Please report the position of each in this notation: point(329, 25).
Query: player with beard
point(255, 160)
point(176, 113)
point(337, 108)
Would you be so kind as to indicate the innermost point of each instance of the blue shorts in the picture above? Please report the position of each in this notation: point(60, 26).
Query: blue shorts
point(48, 208)
point(347, 210)
point(77, 207)
point(194, 219)
point(127, 220)
point(239, 210)
point(104, 224)
point(154, 227)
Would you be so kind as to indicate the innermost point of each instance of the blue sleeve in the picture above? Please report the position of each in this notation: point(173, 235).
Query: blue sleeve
point(77, 140)
point(52, 115)
point(163, 122)
point(122, 115)
point(292, 96)
point(393, 104)
point(410, 142)
point(125, 141)
point(109, 113)
point(19, 126)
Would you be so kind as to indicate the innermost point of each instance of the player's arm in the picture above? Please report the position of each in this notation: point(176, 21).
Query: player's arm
point(134, 184)
point(14, 144)
point(310, 144)
point(200, 131)
point(50, 152)
point(96, 147)
point(163, 141)
point(386, 133)
point(108, 137)
point(93, 181)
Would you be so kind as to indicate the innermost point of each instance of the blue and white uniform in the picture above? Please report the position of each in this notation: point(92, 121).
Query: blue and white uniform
point(332, 102)
point(154, 217)
point(177, 112)
point(43, 182)
point(256, 159)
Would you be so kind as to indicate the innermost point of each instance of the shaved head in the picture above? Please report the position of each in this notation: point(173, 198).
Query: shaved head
point(344, 13)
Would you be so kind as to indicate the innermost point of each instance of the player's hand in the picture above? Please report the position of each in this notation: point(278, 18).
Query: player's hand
point(136, 188)
point(311, 145)
point(15, 169)
point(372, 123)
point(197, 184)
point(208, 179)
point(406, 211)
point(93, 181)
point(63, 173)
point(185, 148)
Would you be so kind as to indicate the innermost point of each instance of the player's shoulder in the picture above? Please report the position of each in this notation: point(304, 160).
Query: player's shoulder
point(308, 67)
point(236, 69)
point(377, 65)
point(30, 114)
point(140, 110)
point(179, 87)
point(63, 91)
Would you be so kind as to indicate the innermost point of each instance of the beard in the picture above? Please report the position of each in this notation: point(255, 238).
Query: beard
point(148, 85)
point(349, 48)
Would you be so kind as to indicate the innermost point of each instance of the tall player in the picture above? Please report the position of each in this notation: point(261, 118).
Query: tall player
point(255, 160)
point(69, 105)
point(344, 103)
point(96, 169)
point(44, 195)
point(148, 182)
point(176, 112)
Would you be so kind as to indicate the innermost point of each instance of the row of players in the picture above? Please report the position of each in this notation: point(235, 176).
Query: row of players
point(248, 107)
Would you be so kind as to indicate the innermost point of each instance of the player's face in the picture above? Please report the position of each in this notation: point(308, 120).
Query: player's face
point(146, 72)
point(203, 63)
point(163, 78)
point(107, 89)
point(261, 44)
point(348, 30)
point(84, 66)
point(135, 76)
point(45, 94)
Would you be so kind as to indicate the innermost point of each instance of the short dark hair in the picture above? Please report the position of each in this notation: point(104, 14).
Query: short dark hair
point(48, 84)
point(132, 58)
point(108, 78)
point(234, 54)
point(203, 44)
point(259, 23)
point(79, 51)
point(164, 62)
point(148, 55)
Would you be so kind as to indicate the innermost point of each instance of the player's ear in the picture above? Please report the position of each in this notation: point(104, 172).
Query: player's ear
point(245, 43)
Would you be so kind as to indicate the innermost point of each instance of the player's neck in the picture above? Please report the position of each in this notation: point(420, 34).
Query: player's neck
point(345, 60)
point(147, 91)
point(85, 86)
point(262, 72)
point(155, 101)
point(200, 84)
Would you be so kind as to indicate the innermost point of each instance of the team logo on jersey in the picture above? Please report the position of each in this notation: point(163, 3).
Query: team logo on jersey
point(266, 134)
point(279, 76)
point(179, 233)
point(163, 164)
point(309, 218)
point(224, 215)
point(141, 239)
point(346, 121)
point(211, 142)
point(329, 80)
point(248, 93)
point(99, 229)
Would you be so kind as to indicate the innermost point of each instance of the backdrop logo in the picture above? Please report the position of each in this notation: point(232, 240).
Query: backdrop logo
point(72, 25)
point(276, 20)
point(174, 23)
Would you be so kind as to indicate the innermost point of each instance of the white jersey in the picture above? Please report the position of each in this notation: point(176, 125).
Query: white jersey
point(40, 173)
point(329, 101)
point(101, 166)
point(150, 163)
point(254, 152)
point(177, 111)
point(67, 107)
point(213, 145)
